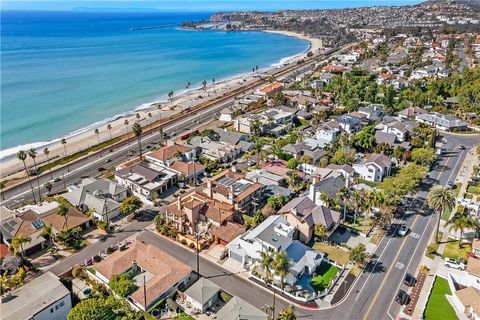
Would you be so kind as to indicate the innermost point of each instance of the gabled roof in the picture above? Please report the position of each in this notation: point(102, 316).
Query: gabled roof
point(33, 297)
point(164, 269)
point(473, 266)
point(238, 308)
point(345, 167)
point(187, 168)
point(388, 138)
point(302, 256)
point(380, 159)
point(227, 231)
point(305, 210)
point(168, 152)
point(202, 290)
point(469, 297)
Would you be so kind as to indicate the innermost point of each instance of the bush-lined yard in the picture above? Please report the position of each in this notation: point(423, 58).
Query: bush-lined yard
point(325, 273)
point(438, 306)
point(339, 255)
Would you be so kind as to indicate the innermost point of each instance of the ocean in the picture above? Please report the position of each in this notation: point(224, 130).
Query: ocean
point(63, 71)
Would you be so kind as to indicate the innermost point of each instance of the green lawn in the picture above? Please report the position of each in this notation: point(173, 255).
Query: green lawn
point(183, 316)
point(438, 306)
point(339, 255)
point(359, 224)
point(473, 189)
point(446, 215)
point(433, 247)
point(452, 250)
point(325, 274)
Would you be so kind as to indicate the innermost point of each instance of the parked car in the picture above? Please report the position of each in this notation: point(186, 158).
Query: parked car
point(403, 230)
point(450, 185)
point(409, 280)
point(108, 160)
point(402, 297)
point(251, 162)
point(451, 263)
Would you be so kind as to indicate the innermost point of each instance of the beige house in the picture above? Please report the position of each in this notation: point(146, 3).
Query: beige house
point(303, 213)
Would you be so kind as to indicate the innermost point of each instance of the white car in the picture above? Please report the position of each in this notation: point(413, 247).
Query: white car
point(403, 230)
point(450, 263)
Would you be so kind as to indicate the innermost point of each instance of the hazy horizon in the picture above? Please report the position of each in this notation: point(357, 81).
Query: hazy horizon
point(194, 5)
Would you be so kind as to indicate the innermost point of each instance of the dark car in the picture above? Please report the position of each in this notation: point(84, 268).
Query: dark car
point(101, 169)
point(409, 280)
point(402, 297)
point(461, 147)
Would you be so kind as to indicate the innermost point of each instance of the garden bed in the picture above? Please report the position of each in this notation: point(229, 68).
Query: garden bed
point(338, 255)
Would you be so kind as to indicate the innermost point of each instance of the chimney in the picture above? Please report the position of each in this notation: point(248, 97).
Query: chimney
point(179, 203)
point(234, 169)
point(209, 189)
point(230, 193)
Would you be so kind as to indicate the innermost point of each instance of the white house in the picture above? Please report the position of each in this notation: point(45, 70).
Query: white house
point(201, 295)
point(42, 298)
point(273, 235)
point(442, 121)
point(327, 132)
point(146, 180)
point(374, 168)
point(102, 196)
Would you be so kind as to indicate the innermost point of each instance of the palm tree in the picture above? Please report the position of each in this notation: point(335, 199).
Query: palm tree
point(18, 241)
point(267, 265)
point(137, 131)
point(22, 156)
point(343, 195)
point(46, 152)
point(460, 222)
point(48, 186)
point(64, 143)
point(370, 200)
point(109, 128)
point(149, 115)
point(62, 211)
point(32, 153)
point(255, 127)
point(282, 266)
point(440, 199)
point(126, 127)
point(97, 132)
point(47, 233)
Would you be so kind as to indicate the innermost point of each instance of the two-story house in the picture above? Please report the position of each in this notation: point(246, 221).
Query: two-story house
point(374, 168)
point(233, 188)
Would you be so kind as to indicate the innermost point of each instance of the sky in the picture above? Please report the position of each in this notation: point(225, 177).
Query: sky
point(193, 5)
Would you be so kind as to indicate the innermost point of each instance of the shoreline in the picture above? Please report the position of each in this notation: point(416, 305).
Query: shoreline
point(85, 137)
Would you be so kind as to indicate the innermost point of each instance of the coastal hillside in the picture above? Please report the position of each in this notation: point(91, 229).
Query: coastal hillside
point(337, 27)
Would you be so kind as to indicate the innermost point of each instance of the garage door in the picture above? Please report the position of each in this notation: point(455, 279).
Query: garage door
point(236, 257)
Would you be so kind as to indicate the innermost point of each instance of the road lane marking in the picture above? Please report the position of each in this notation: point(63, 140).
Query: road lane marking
point(398, 253)
point(399, 265)
point(415, 235)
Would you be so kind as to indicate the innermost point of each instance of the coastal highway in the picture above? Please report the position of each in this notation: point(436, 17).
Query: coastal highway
point(181, 122)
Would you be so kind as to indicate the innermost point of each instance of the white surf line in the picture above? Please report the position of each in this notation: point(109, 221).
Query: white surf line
point(388, 242)
point(122, 149)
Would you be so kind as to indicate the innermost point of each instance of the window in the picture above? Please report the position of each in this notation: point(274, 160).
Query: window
point(62, 303)
point(51, 310)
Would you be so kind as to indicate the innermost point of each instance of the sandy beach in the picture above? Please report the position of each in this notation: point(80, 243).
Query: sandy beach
point(11, 168)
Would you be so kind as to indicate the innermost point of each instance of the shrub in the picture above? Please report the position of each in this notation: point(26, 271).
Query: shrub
point(184, 242)
point(77, 271)
point(191, 245)
point(122, 284)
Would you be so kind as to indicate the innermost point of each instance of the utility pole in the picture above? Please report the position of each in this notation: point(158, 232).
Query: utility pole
point(144, 292)
point(197, 249)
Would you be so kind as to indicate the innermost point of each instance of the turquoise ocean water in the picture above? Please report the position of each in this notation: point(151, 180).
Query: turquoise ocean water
point(64, 71)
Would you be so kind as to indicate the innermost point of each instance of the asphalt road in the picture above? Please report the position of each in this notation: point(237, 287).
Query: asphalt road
point(372, 296)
